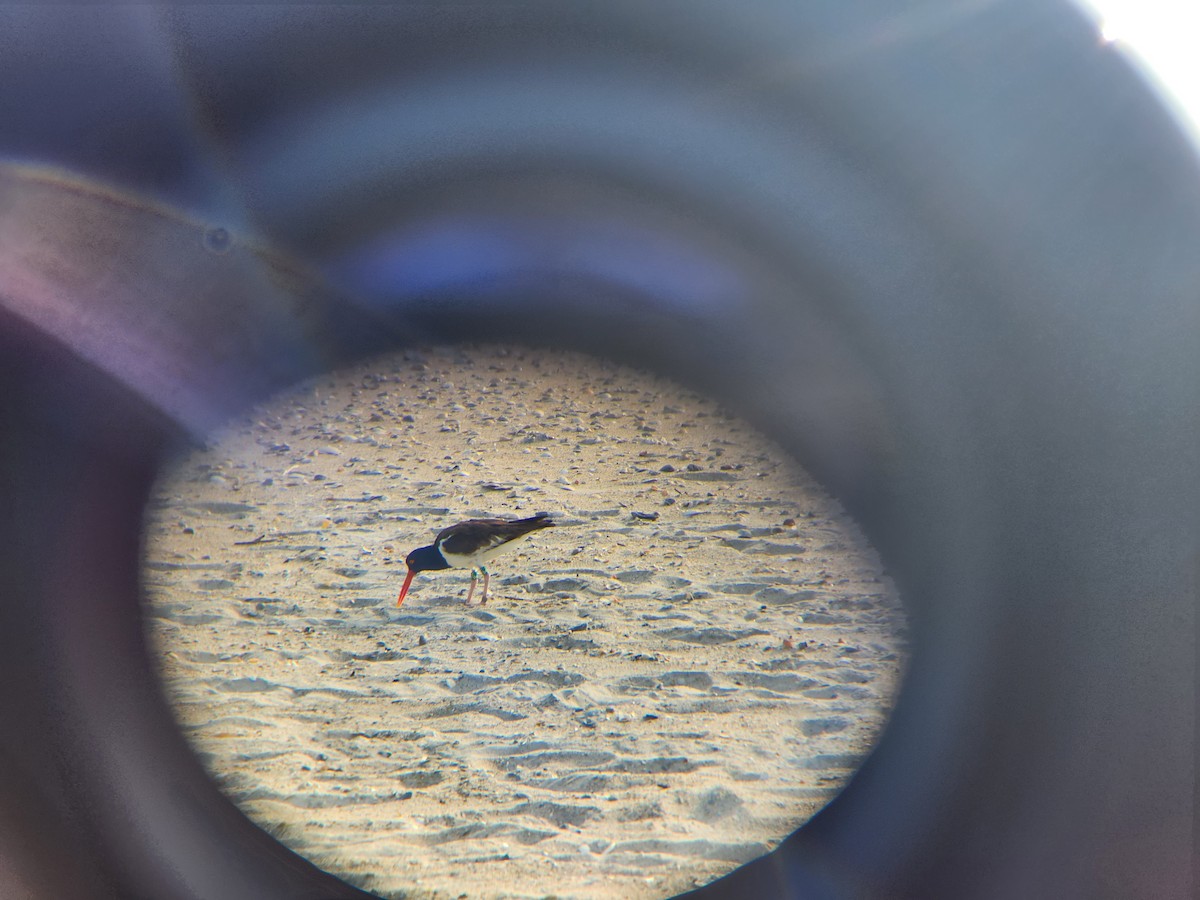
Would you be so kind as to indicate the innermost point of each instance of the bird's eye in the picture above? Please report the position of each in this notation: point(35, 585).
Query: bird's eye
point(686, 667)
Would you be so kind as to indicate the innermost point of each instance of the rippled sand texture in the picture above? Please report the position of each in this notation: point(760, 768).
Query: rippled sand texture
point(660, 688)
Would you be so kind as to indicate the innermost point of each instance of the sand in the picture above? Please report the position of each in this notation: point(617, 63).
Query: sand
point(660, 688)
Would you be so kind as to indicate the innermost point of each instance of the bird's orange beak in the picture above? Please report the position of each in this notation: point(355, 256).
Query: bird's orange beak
point(407, 581)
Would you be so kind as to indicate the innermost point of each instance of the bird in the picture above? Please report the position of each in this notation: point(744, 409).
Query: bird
point(471, 544)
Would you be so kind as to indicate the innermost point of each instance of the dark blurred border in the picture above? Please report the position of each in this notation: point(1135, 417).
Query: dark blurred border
point(976, 216)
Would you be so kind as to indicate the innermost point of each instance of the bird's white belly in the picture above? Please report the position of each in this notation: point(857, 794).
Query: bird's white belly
point(482, 557)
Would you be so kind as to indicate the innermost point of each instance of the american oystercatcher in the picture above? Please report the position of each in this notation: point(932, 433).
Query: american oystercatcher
point(470, 544)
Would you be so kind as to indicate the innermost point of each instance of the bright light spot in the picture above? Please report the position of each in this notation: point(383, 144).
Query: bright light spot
point(1109, 32)
point(1163, 38)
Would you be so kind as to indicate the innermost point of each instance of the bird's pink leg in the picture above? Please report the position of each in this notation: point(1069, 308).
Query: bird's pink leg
point(471, 589)
point(486, 576)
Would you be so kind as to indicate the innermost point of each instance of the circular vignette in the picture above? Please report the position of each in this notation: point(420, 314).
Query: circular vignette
point(1060, 489)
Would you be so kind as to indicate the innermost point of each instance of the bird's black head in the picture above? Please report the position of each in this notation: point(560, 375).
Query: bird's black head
point(425, 559)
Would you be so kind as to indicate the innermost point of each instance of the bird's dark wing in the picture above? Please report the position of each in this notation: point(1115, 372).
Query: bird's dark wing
point(479, 535)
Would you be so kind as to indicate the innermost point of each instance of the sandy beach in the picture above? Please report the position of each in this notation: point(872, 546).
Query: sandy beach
point(661, 687)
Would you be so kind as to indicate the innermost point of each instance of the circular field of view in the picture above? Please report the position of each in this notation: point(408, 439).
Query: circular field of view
point(663, 685)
